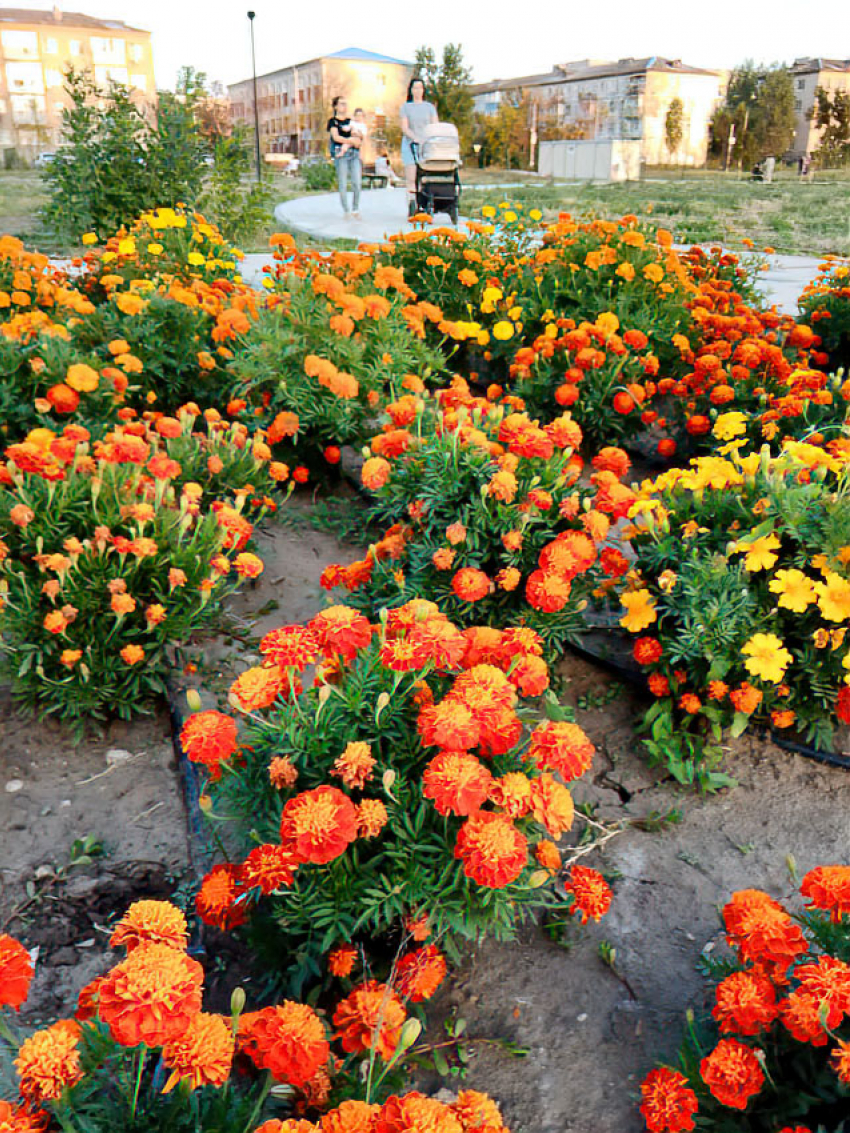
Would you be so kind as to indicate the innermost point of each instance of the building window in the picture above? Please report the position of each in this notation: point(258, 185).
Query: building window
point(53, 78)
point(19, 44)
point(105, 74)
point(798, 105)
point(137, 52)
point(24, 78)
point(139, 82)
point(51, 46)
point(74, 47)
point(801, 84)
point(107, 50)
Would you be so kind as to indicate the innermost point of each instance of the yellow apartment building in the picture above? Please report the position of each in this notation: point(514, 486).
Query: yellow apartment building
point(294, 103)
point(808, 74)
point(38, 47)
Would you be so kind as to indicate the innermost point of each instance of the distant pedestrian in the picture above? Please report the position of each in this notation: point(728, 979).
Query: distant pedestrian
point(805, 166)
point(345, 150)
point(416, 114)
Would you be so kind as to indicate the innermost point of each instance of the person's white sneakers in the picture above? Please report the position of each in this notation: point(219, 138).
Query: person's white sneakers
point(347, 215)
point(356, 214)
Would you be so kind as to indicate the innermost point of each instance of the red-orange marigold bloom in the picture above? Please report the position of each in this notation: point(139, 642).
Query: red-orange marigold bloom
point(840, 1060)
point(372, 817)
point(355, 765)
point(209, 738)
point(471, 585)
point(151, 996)
point(828, 981)
point(415, 1113)
point(827, 887)
point(449, 724)
point(547, 855)
point(16, 972)
point(151, 922)
point(21, 1119)
point(350, 1117)
point(201, 1055)
point(319, 824)
point(456, 782)
point(547, 591)
point(647, 650)
point(494, 853)
point(282, 772)
point(339, 629)
point(552, 804)
point(288, 1040)
point(341, 960)
point(49, 1061)
point(420, 973)
point(268, 867)
point(372, 1015)
point(801, 1016)
point(732, 1073)
point(746, 1003)
point(375, 473)
point(563, 747)
point(761, 930)
point(290, 647)
point(217, 902)
point(591, 893)
point(668, 1104)
point(478, 1113)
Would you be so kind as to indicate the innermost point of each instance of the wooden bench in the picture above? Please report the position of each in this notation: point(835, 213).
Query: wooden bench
point(373, 180)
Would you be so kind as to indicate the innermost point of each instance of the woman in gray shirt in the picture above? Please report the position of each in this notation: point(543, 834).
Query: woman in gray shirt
point(415, 114)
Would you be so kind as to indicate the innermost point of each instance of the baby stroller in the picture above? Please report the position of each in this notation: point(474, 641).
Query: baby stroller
point(437, 163)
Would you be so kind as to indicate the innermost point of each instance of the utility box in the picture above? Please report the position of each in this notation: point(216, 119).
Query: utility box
point(611, 159)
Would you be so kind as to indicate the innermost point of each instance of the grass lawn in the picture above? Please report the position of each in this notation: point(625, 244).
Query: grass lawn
point(790, 216)
point(22, 194)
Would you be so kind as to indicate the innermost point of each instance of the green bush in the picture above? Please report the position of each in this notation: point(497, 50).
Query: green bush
point(319, 177)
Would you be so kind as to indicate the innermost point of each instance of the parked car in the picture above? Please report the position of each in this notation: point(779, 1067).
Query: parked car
point(44, 159)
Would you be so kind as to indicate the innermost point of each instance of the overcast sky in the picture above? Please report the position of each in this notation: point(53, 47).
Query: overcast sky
point(499, 38)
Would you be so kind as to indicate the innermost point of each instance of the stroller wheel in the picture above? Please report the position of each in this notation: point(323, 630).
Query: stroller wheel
point(453, 215)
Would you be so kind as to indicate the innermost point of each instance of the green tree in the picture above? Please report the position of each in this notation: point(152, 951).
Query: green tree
point(447, 84)
point(506, 133)
point(757, 114)
point(118, 158)
point(232, 198)
point(832, 117)
point(674, 130)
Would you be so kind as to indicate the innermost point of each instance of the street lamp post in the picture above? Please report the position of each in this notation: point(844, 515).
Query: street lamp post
point(251, 16)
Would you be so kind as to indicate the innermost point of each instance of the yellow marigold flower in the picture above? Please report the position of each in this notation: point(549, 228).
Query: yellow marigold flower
point(729, 425)
point(89, 238)
point(834, 597)
point(155, 249)
point(766, 657)
point(503, 330)
point(640, 610)
point(127, 246)
point(796, 590)
point(760, 553)
point(49, 1061)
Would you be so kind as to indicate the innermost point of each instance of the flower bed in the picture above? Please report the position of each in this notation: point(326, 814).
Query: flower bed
point(740, 597)
point(826, 303)
point(775, 1054)
point(403, 790)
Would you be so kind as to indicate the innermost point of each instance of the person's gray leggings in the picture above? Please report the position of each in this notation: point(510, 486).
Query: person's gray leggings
point(349, 169)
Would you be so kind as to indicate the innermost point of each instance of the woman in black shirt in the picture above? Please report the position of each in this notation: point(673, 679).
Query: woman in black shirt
point(345, 151)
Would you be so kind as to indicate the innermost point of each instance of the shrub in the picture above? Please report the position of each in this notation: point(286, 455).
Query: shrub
point(741, 594)
point(487, 517)
point(111, 555)
point(141, 1052)
point(319, 176)
point(365, 802)
point(240, 210)
point(775, 1054)
point(117, 158)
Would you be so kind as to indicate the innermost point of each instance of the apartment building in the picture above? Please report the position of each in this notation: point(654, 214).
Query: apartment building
point(808, 74)
point(294, 103)
point(37, 48)
point(624, 100)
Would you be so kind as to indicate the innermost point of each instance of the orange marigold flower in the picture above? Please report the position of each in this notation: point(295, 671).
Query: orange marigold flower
point(268, 867)
point(21, 1119)
point(420, 973)
point(16, 972)
point(49, 1061)
point(746, 698)
point(282, 773)
point(415, 1113)
point(690, 703)
point(547, 591)
point(290, 647)
point(372, 817)
point(375, 473)
point(478, 1113)
point(443, 558)
point(801, 1016)
point(827, 887)
point(668, 1103)
point(151, 996)
point(371, 1016)
point(355, 764)
point(341, 630)
point(841, 1061)
point(151, 922)
point(717, 690)
point(732, 1073)
point(762, 931)
point(591, 893)
point(288, 1040)
point(209, 738)
point(341, 960)
point(552, 804)
point(530, 675)
point(547, 855)
point(563, 747)
point(319, 824)
point(350, 1117)
point(456, 533)
point(494, 853)
point(456, 782)
point(512, 794)
point(217, 902)
point(248, 565)
point(746, 1003)
point(828, 981)
point(201, 1055)
point(449, 724)
point(471, 585)
point(258, 687)
point(647, 650)
point(132, 654)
